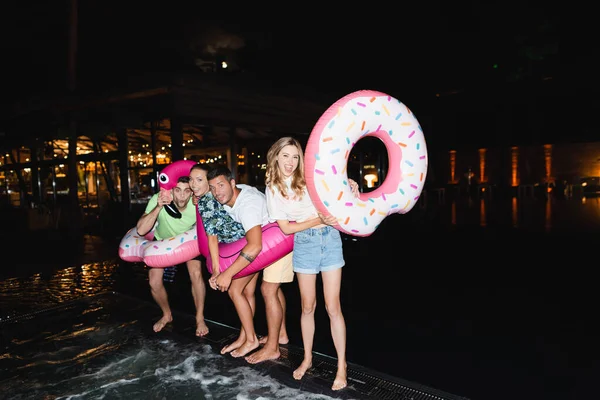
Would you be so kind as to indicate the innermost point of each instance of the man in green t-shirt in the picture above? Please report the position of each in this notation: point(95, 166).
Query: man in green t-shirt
point(168, 227)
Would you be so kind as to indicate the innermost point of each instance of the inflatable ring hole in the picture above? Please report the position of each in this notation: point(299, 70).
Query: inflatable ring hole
point(368, 163)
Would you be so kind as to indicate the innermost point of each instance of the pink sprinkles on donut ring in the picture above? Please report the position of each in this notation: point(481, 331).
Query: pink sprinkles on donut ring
point(355, 116)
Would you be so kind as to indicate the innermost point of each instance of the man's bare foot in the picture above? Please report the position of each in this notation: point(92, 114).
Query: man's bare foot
point(341, 380)
point(301, 370)
point(263, 355)
point(282, 340)
point(201, 328)
point(161, 323)
point(232, 346)
point(244, 349)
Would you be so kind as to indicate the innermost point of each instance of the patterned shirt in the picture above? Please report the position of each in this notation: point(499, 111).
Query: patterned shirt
point(217, 221)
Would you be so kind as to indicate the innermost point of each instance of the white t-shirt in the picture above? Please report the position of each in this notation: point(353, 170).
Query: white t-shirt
point(250, 208)
point(291, 209)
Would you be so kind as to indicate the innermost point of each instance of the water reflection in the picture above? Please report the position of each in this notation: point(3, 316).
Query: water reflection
point(453, 213)
point(514, 211)
point(482, 212)
point(46, 289)
point(548, 214)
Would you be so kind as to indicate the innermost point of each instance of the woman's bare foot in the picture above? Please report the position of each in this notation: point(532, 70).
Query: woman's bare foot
point(161, 323)
point(263, 354)
point(301, 370)
point(201, 328)
point(232, 346)
point(282, 340)
point(244, 349)
point(341, 378)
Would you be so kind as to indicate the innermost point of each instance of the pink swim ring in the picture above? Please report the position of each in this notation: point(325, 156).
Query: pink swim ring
point(275, 245)
point(194, 242)
point(355, 116)
point(169, 251)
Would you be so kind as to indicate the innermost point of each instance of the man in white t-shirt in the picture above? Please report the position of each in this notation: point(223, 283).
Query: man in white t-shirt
point(247, 205)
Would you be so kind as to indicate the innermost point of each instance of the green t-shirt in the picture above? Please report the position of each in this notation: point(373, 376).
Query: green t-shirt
point(168, 226)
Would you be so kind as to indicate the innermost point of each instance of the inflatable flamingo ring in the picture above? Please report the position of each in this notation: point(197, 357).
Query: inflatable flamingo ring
point(353, 117)
point(166, 252)
point(190, 244)
point(275, 245)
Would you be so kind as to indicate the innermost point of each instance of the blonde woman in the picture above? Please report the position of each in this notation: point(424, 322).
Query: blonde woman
point(317, 248)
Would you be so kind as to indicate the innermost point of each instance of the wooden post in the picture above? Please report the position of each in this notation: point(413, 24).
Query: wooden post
point(176, 139)
point(155, 167)
point(232, 154)
point(123, 144)
point(74, 214)
point(36, 189)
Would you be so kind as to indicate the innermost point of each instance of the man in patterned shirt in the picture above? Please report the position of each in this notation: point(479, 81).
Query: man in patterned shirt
point(220, 227)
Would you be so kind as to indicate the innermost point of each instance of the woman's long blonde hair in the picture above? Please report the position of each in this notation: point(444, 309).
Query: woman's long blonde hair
point(273, 177)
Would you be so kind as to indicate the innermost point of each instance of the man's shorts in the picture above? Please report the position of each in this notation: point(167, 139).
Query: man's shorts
point(281, 271)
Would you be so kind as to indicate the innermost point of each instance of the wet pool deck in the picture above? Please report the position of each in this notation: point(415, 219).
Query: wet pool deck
point(363, 383)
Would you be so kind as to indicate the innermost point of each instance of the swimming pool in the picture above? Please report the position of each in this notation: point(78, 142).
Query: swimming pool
point(481, 298)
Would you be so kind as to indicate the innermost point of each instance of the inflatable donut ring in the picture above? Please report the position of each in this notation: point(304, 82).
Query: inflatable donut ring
point(169, 251)
point(353, 117)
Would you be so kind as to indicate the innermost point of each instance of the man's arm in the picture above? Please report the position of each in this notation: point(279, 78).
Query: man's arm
point(213, 249)
point(252, 248)
point(147, 221)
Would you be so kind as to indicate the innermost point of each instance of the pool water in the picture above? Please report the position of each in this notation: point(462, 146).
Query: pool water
point(481, 297)
point(96, 348)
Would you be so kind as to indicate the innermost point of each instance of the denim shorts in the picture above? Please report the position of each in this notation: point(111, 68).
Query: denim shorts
point(317, 250)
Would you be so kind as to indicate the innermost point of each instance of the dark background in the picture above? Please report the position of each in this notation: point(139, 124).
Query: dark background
point(463, 67)
point(416, 51)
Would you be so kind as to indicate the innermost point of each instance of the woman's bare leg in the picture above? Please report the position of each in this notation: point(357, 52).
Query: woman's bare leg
point(332, 282)
point(308, 297)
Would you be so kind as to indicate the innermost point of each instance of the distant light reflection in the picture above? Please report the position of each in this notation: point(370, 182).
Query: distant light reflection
point(548, 215)
point(515, 212)
point(482, 212)
point(453, 212)
point(63, 285)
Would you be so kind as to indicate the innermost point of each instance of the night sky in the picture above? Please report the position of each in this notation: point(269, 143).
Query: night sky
point(412, 50)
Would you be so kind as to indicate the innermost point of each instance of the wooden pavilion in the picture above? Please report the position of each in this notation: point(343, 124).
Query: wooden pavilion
point(125, 136)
